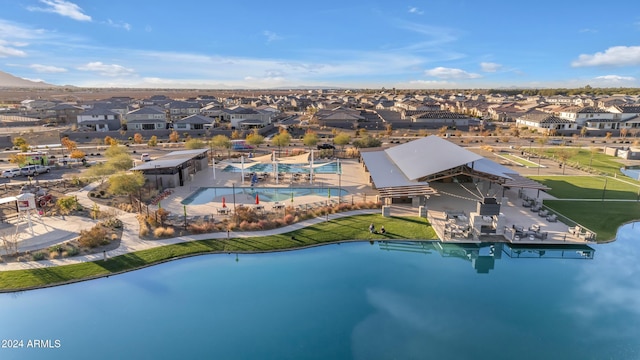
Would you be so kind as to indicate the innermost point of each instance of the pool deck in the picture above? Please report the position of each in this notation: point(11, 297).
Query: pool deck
point(352, 180)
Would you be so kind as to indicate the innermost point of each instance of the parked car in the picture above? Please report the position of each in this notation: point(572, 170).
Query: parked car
point(145, 157)
point(326, 146)
point(31, 170)
point(9, 173)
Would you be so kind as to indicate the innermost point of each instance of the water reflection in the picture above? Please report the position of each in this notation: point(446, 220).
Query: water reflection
point(483, 255)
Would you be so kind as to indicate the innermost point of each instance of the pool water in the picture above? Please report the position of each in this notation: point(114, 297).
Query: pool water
point(210, 194)
point(633, 173)
point(328, 168)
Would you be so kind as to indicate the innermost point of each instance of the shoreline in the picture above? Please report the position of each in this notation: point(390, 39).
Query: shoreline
point(186, 256)
point(349, 228)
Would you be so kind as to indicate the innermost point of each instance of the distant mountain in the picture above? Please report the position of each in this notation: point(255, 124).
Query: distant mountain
point(8, 80)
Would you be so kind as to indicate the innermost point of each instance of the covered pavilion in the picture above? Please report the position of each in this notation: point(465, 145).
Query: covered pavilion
point(405, 171)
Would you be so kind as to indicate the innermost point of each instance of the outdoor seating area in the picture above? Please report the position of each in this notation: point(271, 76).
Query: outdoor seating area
point(581, 233)
point(456, 231)
point(518, 232)
point(456, 216)
point(533, 204)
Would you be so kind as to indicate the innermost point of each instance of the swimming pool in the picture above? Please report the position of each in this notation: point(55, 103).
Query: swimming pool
point(633, 173)
point(206, 195)
point(319, 168)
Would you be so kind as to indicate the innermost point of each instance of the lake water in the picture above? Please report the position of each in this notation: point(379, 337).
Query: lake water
point(348, 301)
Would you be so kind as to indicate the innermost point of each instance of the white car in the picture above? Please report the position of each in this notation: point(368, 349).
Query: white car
point(10, 173)
point(31, 170)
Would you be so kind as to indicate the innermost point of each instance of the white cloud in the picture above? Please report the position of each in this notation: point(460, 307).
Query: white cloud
point(490, 67)
point(587, 30)
point(415, 10)
point(616, 78)
point(450, 73)
point(118, 24)
point(63, 8)
point(613, 56)
point(271, 36)
point(7, 51)
point(106, 69)
point(9, 30)
point(47, 68)
point(613, 80)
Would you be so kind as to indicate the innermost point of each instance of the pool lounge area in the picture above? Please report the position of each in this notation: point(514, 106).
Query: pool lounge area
point(206, 195)
point(331, 167)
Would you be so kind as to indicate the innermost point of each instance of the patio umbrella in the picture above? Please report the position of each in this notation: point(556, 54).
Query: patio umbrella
point(224, 202)
point(257, 199)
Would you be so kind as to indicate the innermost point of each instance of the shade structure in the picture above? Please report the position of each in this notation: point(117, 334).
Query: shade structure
point(224, 202)
point(257, 199)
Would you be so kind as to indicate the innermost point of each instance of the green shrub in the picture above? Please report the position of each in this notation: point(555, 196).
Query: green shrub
point(38, 256)
point(71, 251)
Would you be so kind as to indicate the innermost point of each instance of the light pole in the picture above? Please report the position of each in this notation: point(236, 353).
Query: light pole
point(539, 162)
point(339, 182)
point(604, 189)
point(156, 172)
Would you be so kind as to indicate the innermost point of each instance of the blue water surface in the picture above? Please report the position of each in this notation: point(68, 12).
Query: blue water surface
point(348, 301)
point(206, 195)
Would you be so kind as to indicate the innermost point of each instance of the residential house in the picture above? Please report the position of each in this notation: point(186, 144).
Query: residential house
point(582, 115)
point(62, 113)
point(181, 109)
point(437, 119)
point(245, 118)
point(504, 112)
point(98, 119)
point(339, 116)
point(629, 117)
point(385, 105)
point(194, 122)
point(545, 123)
point(146, 118)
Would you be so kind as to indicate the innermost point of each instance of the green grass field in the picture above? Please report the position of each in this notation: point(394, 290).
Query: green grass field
point(521, 161)
point(343, 229)
point(585, 158)
point(589, 187)
point(602, 217)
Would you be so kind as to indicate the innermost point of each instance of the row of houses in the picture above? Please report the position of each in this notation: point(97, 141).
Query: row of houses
point(553, 113)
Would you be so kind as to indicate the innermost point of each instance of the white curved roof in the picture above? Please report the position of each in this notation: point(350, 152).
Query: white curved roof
point(429, 155)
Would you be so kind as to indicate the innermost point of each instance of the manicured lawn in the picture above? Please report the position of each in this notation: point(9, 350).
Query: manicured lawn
point(349, 228)
point(585, 158)
point(602, 217)
point(521, 161)
point(588, 187)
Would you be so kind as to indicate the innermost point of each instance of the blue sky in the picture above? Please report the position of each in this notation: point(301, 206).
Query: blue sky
point(358, 44)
